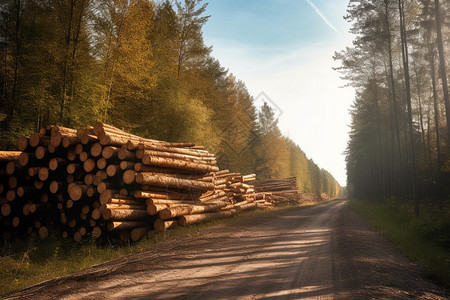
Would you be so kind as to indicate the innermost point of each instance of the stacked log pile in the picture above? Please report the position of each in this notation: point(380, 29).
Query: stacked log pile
point(101, 181)
point(282, 191)
point(313, 198)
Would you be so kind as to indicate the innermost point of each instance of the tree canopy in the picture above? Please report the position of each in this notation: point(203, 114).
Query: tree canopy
point(142, 66)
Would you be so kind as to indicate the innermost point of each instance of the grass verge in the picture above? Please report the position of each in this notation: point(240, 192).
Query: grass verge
point(424, 239)
point(30, 261)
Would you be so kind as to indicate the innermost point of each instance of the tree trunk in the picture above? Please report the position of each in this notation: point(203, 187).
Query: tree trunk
point(442, 64)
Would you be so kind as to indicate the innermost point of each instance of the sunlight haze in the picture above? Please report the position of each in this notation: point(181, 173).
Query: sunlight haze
point(284, 49)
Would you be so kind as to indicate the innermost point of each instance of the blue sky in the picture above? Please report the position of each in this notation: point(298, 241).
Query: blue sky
point(284, 48)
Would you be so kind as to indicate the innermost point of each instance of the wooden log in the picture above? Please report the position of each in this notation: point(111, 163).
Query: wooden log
point(43, 232)
point(216, 194)
point(141, 152)
point(77, 191)
point(140, 167)
point(22, 143)
point(163, 225)
point(8, 156)
point(190, 151)
point(38, 184)
point(83, 156)
point(89, 179)
point(166, 181)
point(246, 206)
point(89, 165)
point(43, 173)
point(35, 139)
point(96, 213)
point(100, 175)
point(72, 168)
point(129, 176)
point(153, 209)
point(178, 164)
point(24, 158)
point(55, 162)
point(173, 212)
point(81, 132)
point(5, 209)
point(88, 138)
point(96, 232)
point(101, 163)
point(68, 141)
point(126, 155)
point(138, 206)
point(102, 186)
point(126, 165)
point(112, 170)
point(71, 155)
point(107, 195)
point(40, 152)
point(110, 152)
point(77, 237)
point(198, 218)
point(170, 202)
point(115, 225)
point(126, 201)
point(137, 233)
point(124, 214)
point(96, 149)
point(12, 166)
point(79, 148)
point(161, 195)
point(55, 186)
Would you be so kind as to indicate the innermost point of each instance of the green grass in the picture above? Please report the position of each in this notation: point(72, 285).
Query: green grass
point(30, 261)
point(424, 239)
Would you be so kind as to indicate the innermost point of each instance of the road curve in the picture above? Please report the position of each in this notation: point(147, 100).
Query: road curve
point(321, 252)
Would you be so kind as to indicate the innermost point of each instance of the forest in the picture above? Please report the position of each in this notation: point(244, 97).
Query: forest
point(142, 66)
point(399, 144)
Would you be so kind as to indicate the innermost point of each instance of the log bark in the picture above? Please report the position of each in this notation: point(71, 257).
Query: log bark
point(198, 218)
point(161, 195)
point(115, 225)
point(137, 233)
point(173, 212)
point(124, 214)
point(166, 181)
point(126, 165)
point(89, 165)
point(163, 225)
point(110, 152)
point(55, 162)
point(96, 149)
point(177, 164)
point(101, 163)
point(112, 170)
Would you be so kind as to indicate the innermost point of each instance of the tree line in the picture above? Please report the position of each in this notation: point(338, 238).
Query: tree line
point(400, 131)
point(142, 66)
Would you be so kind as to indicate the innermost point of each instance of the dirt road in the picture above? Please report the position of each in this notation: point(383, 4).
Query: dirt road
point(322, 252)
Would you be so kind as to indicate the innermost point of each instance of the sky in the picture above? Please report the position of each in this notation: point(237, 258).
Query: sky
point(282, 50)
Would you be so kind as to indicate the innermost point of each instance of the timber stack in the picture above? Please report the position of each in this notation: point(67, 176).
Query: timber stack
point(100, 181)
point(283, 191)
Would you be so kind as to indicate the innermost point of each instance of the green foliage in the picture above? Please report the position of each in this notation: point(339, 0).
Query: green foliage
point(141, 66)
point(386, 154)
point(425, 239)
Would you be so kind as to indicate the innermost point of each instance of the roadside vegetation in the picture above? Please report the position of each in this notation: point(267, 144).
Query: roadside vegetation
point(425, 239)
point(30, 261)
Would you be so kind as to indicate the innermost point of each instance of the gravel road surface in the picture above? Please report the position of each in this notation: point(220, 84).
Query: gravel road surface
point(320, 252)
